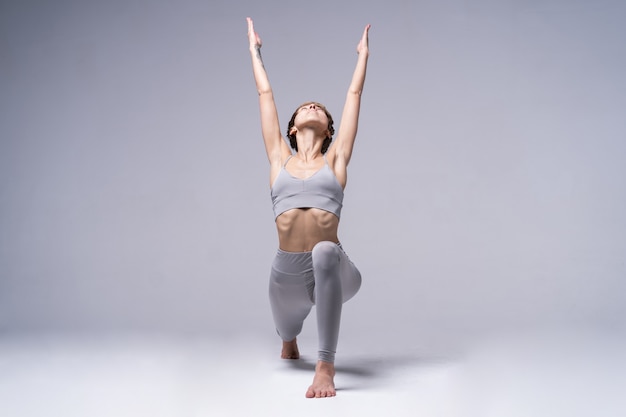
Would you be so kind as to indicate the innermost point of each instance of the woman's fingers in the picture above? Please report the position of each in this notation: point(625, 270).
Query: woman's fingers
point(363, 43)
point(252, 35)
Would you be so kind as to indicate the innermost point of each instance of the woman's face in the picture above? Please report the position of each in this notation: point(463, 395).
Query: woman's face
point(311, 113)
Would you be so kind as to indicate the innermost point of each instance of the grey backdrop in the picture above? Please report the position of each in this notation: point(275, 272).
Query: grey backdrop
point(487, 190)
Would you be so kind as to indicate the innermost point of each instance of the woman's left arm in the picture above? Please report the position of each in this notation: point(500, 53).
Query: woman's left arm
point(341, 149)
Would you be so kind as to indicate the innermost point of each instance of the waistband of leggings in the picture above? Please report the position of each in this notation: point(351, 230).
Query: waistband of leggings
point(284, 252)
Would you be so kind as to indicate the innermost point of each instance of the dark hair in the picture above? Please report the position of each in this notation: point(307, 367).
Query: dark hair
point(331, 129)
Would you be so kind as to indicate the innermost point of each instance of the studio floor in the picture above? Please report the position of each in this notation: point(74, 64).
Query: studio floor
point(530, 376)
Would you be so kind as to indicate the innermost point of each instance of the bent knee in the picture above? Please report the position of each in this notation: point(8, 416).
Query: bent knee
point(325, 255)
point(325, 250)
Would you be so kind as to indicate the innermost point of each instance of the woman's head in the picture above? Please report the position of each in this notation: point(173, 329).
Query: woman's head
point(291, 135)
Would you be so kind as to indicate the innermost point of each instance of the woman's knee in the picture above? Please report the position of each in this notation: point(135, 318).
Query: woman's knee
point(325, 255)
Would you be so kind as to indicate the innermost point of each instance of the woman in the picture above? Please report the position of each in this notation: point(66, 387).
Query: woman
point(310, 267)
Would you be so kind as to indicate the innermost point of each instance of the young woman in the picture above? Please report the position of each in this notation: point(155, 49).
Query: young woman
point(310, 267)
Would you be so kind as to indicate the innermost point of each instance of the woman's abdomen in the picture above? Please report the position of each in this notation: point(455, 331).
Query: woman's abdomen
point(300, 229)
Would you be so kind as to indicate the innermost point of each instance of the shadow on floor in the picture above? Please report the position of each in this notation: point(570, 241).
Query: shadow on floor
point(369, 371)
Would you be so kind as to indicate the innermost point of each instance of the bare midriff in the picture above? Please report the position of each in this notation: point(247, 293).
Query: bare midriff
point(300, 229)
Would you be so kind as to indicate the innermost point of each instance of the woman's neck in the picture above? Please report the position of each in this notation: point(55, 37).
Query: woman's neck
point(309, 145)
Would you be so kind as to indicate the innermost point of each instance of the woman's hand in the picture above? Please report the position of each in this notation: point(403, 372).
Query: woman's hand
point(363, 45)
point(253, 37)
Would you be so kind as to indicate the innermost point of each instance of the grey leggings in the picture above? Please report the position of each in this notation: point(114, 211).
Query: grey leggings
point(324, 277)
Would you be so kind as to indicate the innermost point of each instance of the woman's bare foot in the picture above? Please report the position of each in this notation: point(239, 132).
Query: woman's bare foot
point(290, 350)
point(323, 381)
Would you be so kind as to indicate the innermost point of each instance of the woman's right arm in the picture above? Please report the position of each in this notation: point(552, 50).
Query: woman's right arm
point(275, 145)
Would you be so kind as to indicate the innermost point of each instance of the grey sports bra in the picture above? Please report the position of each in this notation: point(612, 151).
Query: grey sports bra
point(321, 190)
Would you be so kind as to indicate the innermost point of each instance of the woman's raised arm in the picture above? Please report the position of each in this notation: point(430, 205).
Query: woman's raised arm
point(342, 146)
point(275, 145)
